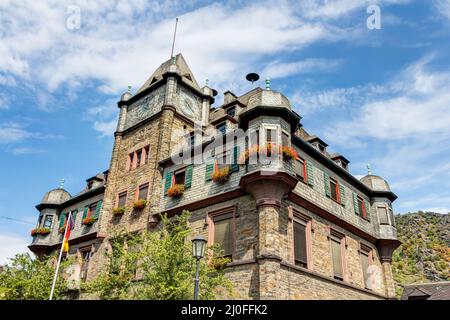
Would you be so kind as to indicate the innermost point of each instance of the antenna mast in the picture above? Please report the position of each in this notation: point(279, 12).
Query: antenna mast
point(174, 36)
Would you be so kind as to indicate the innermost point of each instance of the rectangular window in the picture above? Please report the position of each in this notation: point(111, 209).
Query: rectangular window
point(361, 207)
point(130, 161)
point(223, 161)
point(223, 233)
point(336, 241)
point(138, 158)
point(300, 248)
point(391, 214)
point(365, 263)
point(271, 135)
point(383, 215)
point(334, 190)
point(285, 139)
point(231, 111)
point(48, 221)
point(147, 151)
point(85, 258)
point(300, 169)
point(180, 176)
point(191, 139)
point(122, 200)
point(92, 209)
point(257, 137)
point(143, 192)
point(221, 127)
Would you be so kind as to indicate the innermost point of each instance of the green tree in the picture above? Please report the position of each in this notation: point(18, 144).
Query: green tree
point(28, 278)
point(159, 265)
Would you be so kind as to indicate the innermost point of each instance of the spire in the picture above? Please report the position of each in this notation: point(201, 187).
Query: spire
point(61, 185)
point(369, 169)
point(173, 41)
point(268, 84)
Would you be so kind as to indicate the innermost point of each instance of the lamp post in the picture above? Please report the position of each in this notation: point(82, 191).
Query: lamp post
point(198, 252)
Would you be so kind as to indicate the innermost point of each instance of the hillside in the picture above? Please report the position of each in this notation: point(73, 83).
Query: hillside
point(424, 255)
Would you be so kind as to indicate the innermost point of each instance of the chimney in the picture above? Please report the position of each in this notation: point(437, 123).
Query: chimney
point(228, 96)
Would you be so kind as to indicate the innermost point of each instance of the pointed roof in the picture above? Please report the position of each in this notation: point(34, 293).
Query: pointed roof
point(182, 69)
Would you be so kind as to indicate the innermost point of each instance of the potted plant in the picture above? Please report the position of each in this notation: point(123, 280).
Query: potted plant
point(289, 153)
point(176, 190)
point(221, 175)
point(119, 211)
point(40, 231)
point(89, 221)
point(139, 204)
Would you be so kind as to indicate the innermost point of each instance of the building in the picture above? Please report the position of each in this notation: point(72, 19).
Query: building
point(427, 291)
point(301, 228)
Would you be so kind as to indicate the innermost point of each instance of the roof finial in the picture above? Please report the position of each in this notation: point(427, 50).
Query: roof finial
point(129, 89)
point(369, 169)
point(206, 82)
point(61, 185)
point(268, 84)
point(173, 42)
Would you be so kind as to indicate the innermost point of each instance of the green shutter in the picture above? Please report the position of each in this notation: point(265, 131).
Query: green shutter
point(310, 172)
point(85, 212)
point(342, 194)
point(62, 219)
point(355, 204)
point(326, 179)
point(188, 179)
point(367, 205)
point(74, 214)
point(209, 171)
point(168, 182)
point(98, 209)
point(235, 165)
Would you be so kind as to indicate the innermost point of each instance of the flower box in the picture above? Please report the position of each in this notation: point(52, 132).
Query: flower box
point(89, 221)
point(221, 175)
point(119, 211)
point(40, 231)
point(289, 153)
point(139, 204)
point(61, 230)
point(176, 190)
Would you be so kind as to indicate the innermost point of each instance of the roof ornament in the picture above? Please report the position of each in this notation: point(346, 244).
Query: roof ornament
point(252, 77)
point(268, 84)
point(207, 82)
point(61, 185)
point(369, 169)
point(129, 89)
point(173, 41)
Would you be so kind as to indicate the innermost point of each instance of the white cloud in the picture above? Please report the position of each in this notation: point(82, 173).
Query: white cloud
point(443, 7)
point(25, 150)
point(10, 134)
point(279, 69)
point(438, 210)
point(10, 245)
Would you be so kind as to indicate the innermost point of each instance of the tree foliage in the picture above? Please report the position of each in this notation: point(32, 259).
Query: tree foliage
point(158, 265)
point(28, 278)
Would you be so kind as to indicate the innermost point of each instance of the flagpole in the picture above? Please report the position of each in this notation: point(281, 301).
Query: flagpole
point(59, 258)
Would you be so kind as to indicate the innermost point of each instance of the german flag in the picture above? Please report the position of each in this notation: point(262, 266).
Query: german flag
point(70, 225)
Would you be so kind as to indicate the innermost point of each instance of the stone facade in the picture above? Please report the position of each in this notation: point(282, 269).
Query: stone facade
point(266, 199)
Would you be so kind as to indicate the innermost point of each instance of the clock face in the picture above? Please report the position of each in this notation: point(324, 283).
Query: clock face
point(190, 105)
point(144, 107)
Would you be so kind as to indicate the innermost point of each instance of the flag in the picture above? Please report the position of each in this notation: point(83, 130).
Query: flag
point(70, 225)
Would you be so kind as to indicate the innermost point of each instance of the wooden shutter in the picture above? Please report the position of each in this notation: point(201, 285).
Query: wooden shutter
point(355, 204)
point(342, 194)
point(168, 182)
point(188, 178)
point(98, 209)
point(367, 207)
point(62, 219)
point(310, 173)
point(209, 171)
point(235, 166)
point(326, 179)
point(85, 212)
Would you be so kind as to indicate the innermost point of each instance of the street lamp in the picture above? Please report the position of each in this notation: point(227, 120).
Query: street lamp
point(198, 252)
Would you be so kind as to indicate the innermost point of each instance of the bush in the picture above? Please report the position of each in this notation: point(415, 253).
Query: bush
point(139, 204)
point(221, 175)
point(89, 221)
point(176, 191)
point(118, 211)
point(40, 231)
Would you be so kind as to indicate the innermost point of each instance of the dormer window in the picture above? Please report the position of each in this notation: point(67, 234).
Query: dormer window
point(90, 185)
point(231, 111)
point(222, 128)
point(321, 147)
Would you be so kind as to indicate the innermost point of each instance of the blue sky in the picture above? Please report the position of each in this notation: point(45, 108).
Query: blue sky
point(378, 96)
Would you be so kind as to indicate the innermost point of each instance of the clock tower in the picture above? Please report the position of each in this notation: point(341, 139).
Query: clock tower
point(169, 101)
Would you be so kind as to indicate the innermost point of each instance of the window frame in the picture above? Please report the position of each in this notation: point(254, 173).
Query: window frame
point(339, 237)
point(224, 124)
point(210, 223)
point(303, 179)
point(336, 189)
point(295, 216)
point(45, 219)
point(284, 133)
point(368, 252)
point(118, 195)
point(175, 173)
point(234, 111)
point(84, 250)
point(138, 190)
point(362, 209)
point(388, 218)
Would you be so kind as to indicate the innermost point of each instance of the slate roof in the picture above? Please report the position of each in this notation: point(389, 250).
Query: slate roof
point(428, 291)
